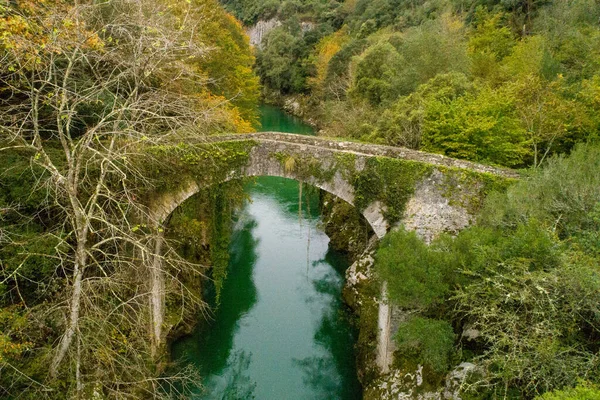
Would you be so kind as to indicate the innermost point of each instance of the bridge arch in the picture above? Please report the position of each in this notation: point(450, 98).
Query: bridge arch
point(333, 165)
point(257, 166)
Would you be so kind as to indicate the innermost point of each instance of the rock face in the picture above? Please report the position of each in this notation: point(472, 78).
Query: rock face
point(399, 385)
point(431, 211)
point(258, 32)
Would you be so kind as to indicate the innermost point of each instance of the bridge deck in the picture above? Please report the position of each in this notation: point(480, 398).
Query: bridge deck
point(341, 145)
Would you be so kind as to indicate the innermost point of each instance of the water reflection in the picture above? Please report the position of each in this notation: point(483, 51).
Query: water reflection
point(209, 348)
point(216, 339)
point(333, 335)
point(237, 385)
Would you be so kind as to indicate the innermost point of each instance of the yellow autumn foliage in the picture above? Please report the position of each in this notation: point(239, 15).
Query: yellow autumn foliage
point(324, 52)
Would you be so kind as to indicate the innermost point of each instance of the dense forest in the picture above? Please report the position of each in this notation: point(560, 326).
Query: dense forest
point(99, 98)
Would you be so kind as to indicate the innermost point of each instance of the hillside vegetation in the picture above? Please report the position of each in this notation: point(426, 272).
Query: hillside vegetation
point(506, 82)
point(517, 293)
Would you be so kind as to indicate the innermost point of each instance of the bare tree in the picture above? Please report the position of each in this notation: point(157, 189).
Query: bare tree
point(111, 81)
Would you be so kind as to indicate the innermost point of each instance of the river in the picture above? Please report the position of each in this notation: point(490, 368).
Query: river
point(281, 330)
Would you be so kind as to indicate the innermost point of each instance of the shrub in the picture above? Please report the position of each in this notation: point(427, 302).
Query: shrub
point(428, 342)
point(415, 275)
point(583, 391)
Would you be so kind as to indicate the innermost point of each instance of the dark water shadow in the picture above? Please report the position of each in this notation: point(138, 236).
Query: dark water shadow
point(209, 346)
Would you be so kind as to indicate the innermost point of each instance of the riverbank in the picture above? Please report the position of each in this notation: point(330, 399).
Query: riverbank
point(296, 105)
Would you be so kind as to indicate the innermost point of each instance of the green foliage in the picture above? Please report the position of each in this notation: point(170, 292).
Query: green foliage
point(369, 16)
point(207, 164)
point(572, 36)
point(562, 196)
point(530, 67)
point(29, 266)
point(20, 180)
point(482, 127)
point(516, 290)
point(338, 65)
point(534, 323)
point(279, 63)
point(401, 124)
point(284, 61)
point(354, 120)
point(526, 278)
point(376, 74)
point(390, 181)
point(396, 66)
point(249, 11)
point(229, 63)
point(428, 342)
point(490, 41)
point(452, 116)
point(583, 391)
point(415, 275)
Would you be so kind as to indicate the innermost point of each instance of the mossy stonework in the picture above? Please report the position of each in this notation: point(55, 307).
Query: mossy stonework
point(380, 181)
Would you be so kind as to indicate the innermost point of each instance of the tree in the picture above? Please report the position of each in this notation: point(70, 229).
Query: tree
point(227, 64)
point(279, 62)
point(583, 391)
point(545, 114)
point(376, 73)
point(489, 42)
point(110, 80)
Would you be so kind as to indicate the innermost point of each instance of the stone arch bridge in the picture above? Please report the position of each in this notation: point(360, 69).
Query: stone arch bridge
point(429, 193)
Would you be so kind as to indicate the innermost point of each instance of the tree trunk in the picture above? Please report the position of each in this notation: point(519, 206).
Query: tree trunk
point(157, 295)
point(73, 324)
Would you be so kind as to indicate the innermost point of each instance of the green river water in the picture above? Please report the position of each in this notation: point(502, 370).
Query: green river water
point(281, 330)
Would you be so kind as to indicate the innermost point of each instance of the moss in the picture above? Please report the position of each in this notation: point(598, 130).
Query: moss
point(346, 228)
point(304, 167)
point(427, 342)
point(390, 181)
point(469, 189)
point(201, 229)
point(345, 163)
point(368, 315)
point(205, 163)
